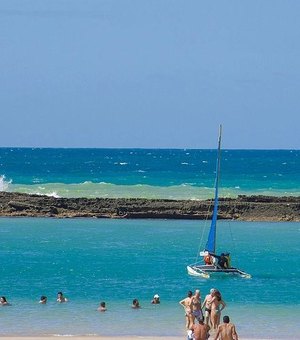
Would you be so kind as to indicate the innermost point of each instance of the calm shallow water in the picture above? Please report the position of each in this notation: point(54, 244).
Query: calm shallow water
point(118, 260)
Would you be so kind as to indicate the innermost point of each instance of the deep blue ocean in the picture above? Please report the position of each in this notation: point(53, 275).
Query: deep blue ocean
point(116, 261)
point(165, 173)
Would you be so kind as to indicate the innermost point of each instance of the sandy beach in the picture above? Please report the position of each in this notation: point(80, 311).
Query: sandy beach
point(93, 337)
point(101, 338)
point(87, 337)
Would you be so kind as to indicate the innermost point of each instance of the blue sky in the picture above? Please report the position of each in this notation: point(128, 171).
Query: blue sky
point(145, 73)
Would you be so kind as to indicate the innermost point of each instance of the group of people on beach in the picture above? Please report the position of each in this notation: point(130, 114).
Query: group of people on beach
point(202, 318)
point(199, 324)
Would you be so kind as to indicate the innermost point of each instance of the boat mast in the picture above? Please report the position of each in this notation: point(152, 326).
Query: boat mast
point(211, 242)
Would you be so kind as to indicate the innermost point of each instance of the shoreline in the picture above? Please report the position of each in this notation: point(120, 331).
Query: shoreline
point(97, 337)
point(242, 208)
point(78, 337)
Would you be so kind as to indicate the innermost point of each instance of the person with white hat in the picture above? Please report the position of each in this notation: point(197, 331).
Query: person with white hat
point(155, 300)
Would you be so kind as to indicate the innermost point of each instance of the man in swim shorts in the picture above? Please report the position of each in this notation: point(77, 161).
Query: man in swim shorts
point(226, 331)
point(207, 304)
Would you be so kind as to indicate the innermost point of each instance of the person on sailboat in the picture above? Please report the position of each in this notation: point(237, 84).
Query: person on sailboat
point(222, 260)
point(227, 255)
point(208, 260)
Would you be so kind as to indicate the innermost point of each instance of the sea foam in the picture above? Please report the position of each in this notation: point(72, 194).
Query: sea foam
point(184, 191)
point(4, 185)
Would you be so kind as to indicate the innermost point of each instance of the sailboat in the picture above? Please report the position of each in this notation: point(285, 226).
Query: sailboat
point(213, 263)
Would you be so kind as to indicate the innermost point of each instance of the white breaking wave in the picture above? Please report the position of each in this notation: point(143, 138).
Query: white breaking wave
point(52, 194)
point(184, 191)
point(4, 185)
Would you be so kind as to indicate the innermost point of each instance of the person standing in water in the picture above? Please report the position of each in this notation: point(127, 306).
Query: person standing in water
point(207, 305)
point(217, 305)
point(43, 300)
point(102, 307)
point(61, 298)
point(196, 307)
point(135, 304)
point(226, 331)
point(155, 300)
point(3, 301)
point(186, 304)
point(200, 331)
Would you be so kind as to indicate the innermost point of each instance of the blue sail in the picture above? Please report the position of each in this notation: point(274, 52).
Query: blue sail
point(211, 242)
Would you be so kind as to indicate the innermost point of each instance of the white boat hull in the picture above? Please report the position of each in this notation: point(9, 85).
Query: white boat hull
point(205, 271)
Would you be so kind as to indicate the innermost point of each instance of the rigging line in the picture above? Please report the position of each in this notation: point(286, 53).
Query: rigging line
point(232, 240)
point(231, 234)
point(203, 229)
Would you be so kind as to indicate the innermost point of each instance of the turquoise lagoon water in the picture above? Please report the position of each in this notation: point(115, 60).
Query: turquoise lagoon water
point(116, 261)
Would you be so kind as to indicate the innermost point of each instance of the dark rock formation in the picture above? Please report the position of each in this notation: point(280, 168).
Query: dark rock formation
point(246, 208)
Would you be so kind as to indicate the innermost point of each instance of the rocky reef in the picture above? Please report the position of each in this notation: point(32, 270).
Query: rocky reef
point(244, 208)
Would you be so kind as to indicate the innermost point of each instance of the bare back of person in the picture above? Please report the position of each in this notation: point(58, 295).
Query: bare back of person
point(226, 331)
point(187, 305)
point(200, 331)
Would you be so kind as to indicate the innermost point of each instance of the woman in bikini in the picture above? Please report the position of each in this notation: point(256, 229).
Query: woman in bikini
point(186, 304)
point(196, 307)
point(217, 305)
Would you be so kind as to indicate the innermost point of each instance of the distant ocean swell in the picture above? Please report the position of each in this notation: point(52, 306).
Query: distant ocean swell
point(109, 190)
point(148, 173)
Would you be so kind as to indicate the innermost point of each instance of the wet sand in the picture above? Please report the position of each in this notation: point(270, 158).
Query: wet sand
point(92, 338)
point(103, 338)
